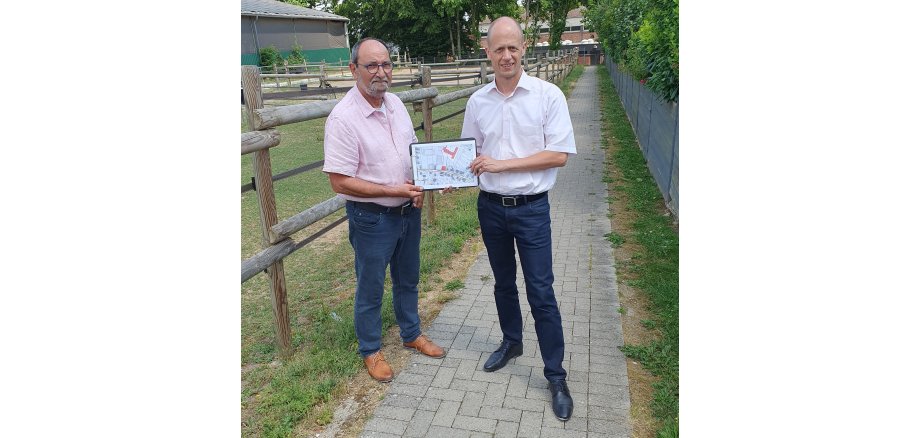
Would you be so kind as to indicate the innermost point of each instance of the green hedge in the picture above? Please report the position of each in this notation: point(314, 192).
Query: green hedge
point(641, 35)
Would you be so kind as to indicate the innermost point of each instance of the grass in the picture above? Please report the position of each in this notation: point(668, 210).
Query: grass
point(275, 395)
point(569, 82)
point(654, 270)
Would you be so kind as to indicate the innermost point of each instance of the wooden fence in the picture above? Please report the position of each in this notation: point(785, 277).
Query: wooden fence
point(276, 235)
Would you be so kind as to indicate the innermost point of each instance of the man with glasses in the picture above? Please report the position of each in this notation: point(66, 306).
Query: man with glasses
point(366, 150)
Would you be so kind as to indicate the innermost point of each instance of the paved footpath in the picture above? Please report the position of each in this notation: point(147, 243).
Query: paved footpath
point(453, 397)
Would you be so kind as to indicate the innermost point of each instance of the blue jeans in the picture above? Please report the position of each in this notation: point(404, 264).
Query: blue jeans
point(380, 239)
point(529, 226)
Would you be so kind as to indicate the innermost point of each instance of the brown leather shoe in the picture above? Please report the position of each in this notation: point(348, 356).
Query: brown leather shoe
point(378, 367)
point(426, 346)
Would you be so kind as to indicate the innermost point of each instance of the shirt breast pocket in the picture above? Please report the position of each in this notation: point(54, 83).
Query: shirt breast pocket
point(532, 137)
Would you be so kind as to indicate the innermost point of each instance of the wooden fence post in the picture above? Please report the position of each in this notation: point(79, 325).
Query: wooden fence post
point(262, 172)
point(287, 71)
point(427, 109)
point(322, 74)
point(483, 73)
point(553, 66)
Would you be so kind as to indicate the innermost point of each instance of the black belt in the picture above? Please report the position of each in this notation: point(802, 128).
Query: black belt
point(512, 200)
point(377, 208)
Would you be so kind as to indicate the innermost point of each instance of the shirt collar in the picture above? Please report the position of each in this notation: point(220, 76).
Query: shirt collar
point(366, 109)
point(526, 82)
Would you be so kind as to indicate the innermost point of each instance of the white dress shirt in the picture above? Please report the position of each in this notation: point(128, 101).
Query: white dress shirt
point(534, 118)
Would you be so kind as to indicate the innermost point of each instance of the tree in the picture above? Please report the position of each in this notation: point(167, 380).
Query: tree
point(535, 12)
point(425, 28)
point(312, 4)
point(557, 13)
point(641, 35)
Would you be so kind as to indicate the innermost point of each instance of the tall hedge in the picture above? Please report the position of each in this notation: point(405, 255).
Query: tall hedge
point(642, 36)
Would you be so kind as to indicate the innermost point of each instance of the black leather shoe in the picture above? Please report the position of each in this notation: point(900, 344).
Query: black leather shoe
point(562, 400)
point(506, 351)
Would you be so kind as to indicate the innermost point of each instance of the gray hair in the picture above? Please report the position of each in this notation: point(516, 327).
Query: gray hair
point(354, 49)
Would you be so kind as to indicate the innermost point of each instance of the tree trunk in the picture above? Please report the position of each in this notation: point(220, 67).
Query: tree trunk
point(459, 45)
point(451, 33)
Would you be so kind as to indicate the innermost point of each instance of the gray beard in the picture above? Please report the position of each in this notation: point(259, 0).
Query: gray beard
point(377, 89)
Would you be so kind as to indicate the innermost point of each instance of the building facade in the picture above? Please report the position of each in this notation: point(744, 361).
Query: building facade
point(575, 36)
point(321, 35)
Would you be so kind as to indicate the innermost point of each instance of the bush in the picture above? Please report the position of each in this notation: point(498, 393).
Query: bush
point(642, 36)
point(296, 58)
point(269, 56)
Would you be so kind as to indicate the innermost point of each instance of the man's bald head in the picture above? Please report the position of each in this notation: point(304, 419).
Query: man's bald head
point(504, 24)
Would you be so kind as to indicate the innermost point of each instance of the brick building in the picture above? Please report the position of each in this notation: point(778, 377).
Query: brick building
point(574, 36)
point(574, 32)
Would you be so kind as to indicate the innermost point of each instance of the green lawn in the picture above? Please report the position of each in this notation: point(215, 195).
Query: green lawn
point(654, 270)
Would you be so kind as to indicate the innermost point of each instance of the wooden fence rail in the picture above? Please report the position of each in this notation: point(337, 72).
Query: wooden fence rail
point(276, 236)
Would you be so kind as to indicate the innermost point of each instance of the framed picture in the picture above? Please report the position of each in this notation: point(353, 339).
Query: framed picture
point(439, 164)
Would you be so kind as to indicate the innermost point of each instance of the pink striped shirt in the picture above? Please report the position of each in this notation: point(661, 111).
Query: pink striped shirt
point(363, 142)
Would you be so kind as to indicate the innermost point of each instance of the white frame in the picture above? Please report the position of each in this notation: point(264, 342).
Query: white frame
point(436, 148)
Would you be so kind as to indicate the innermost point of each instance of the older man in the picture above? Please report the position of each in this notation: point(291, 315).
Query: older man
point(367, 159)
point(521, 125)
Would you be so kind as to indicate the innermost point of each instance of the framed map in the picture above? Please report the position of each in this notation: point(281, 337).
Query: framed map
point(439, 164)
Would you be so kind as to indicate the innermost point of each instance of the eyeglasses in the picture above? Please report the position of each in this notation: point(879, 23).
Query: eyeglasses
point(372, 68)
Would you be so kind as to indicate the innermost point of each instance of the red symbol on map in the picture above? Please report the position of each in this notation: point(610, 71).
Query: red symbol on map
point(452, 154)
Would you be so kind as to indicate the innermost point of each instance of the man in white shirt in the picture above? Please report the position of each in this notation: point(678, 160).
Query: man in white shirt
point(524, 134)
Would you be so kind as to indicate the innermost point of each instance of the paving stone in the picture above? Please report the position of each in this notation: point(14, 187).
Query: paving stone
point(466, 369)
point(376, 434)
point(469, 385)
point(552, 432)
point(495, 394)
point(611, 428)
point(446, 432)
point(513, 368)
point(504, 414)
point(395, 412)
point(409, 389)
point(484, 425)
point(506, 428)
point(446, 413)
point(577, 422)
point(429, 404)
point(446, 394)
point(472, 401)
point(420, 368)
point(483, 376)
point(531, 423)
point(524, 404)
point(412, 378)
point(419, 424)
point(386, 425)
point(464, 354)
point(405, 401)
point(443, 378)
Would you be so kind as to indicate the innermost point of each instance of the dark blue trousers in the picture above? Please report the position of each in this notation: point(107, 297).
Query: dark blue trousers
point(528, 226)
point(379, 240)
